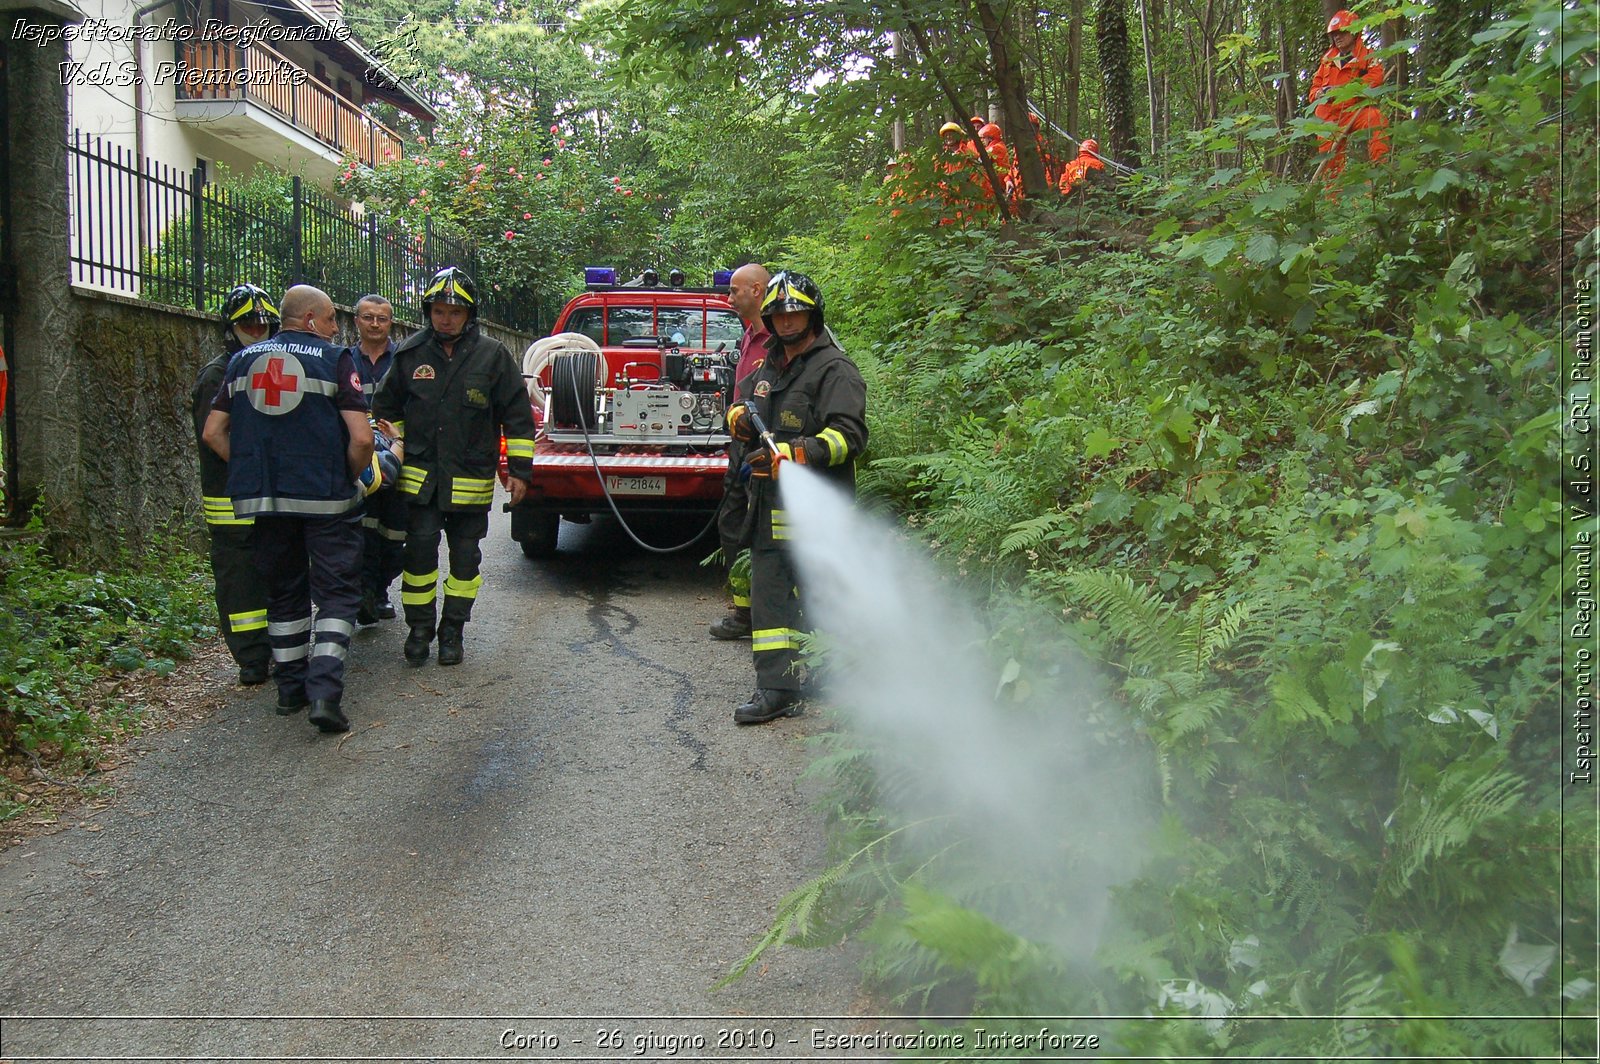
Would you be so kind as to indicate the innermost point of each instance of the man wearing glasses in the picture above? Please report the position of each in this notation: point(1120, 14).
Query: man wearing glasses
point(384, 525)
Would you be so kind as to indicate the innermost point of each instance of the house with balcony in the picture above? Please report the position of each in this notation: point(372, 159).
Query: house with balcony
point(195, 83)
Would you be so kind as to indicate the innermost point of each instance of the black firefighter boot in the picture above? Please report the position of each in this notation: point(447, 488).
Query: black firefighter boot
point(450, 649)
point(768, 704)
point(416, 648)
point(327, 716)
point(456, 613)
point(367, 612)
point(735, 624)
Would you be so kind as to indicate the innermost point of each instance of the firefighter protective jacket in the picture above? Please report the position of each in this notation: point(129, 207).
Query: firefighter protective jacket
point(214, 498)
point(450, 411)
point(818, 401)
point(287, 438)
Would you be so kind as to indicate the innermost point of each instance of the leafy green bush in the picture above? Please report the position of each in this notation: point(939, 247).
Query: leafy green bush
point(63, 631)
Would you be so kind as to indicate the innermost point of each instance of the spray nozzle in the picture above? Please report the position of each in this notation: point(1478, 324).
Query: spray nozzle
point(762, 432)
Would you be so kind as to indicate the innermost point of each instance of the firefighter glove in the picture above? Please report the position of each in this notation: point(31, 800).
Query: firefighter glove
point(740, 426)
point(763, 463)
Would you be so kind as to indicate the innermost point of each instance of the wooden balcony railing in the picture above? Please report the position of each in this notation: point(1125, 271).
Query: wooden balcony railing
point(216, 70)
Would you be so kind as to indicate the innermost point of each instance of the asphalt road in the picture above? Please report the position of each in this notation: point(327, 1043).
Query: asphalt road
point(549, 852)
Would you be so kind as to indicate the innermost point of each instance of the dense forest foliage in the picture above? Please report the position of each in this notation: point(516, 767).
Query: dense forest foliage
point(1284, 455)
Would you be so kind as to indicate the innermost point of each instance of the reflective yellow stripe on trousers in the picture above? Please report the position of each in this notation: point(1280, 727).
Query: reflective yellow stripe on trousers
point(419, 590)
point(252, 621)
point(467, 589)
point(774, 639)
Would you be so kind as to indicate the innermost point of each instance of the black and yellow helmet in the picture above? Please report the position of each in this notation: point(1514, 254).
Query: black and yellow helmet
point(451, 285)
point(249, 303)
point(792, 291)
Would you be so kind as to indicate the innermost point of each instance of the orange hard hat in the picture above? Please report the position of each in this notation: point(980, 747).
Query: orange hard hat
point(990, 132)
point(952, 127)
point(1341, 20)
point(977, 121)
point(1033, 118)
point(1091, 145)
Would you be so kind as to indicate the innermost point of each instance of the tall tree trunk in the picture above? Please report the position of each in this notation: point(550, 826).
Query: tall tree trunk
point(1287, 104)
point(1013, 92)
point(950, 96)
point(1116, 76)
point(1074, 66)
point(1208, 110)
point(1284, 106)
point(1396, 68)
point(1166, 78)
point(1149, 78)
point(1158, 117)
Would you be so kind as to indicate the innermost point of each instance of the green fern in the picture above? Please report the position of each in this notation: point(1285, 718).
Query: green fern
point(1170, 662)
point(796, 922)
point(1462, 804)
point(1136, 615)
point(1306, 894)
point(1295, 702)
point(1158, 634)
point(1030, 534)
point(837, 762)
point(1219, 636)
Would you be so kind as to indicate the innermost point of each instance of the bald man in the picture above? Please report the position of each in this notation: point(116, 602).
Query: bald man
point(291, 422)
point(745, 289)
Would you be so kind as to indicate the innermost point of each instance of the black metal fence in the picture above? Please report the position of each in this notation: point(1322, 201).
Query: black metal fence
point(153, 232)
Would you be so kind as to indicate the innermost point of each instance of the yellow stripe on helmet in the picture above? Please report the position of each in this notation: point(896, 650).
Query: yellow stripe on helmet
point(256, 305)
point(783, 292)
point(452, 284)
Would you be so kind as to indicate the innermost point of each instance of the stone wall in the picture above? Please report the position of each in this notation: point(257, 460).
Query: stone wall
point(135, 365)
point(35, 304)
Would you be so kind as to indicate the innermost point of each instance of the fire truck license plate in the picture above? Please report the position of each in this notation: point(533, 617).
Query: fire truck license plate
point(636, 485)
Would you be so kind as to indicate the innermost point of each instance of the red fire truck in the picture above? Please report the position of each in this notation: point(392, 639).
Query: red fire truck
point(628, 393)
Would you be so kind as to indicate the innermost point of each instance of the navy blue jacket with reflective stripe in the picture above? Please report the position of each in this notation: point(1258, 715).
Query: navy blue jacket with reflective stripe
point(287, 439)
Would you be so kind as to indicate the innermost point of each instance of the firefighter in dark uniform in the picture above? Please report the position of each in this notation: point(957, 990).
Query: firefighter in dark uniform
point(248, 317)
point(384, 525)
point(812, 399)
point(450, 394)
point(291, 422)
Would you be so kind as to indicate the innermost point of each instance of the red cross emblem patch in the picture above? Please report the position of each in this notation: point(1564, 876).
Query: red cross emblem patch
point(277, 382)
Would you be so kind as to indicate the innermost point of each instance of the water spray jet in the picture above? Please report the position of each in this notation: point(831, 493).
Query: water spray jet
point(1032, 814)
